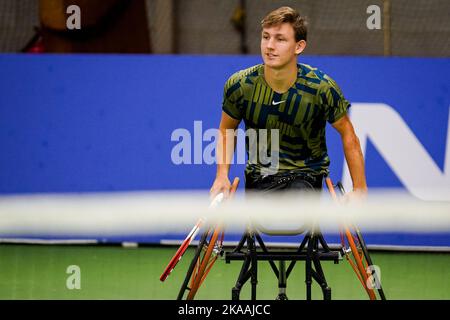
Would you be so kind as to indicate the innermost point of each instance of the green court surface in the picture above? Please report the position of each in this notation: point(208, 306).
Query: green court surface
point(114, 272)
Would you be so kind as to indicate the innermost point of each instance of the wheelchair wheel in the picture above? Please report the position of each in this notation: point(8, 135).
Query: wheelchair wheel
point(205, 256)
point(357, 254)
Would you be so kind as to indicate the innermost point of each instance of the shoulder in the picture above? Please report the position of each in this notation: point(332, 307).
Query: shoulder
point(240, 78)
point(326, 90)
point(316, 78)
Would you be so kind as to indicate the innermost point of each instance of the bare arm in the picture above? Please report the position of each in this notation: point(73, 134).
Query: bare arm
point(353, 153)
point(224, 154)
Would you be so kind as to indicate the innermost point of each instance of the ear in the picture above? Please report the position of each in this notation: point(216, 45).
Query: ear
point(300, 46)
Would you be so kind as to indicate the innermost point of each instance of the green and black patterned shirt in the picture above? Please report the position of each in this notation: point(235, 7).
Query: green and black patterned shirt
point(300, 115)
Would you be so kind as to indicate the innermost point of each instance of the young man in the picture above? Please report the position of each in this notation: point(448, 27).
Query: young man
point(295, 99)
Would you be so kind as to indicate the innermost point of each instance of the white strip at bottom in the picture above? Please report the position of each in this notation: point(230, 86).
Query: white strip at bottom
point(170, 242)
point(334, 246)
point(48, 241)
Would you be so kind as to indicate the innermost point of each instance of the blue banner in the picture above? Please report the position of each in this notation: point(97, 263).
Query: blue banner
point(88, 123)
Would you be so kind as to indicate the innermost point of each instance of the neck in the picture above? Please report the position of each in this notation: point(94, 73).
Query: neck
point(280, 80)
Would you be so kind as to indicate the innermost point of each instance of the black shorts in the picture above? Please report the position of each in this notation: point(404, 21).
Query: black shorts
point(291, 180)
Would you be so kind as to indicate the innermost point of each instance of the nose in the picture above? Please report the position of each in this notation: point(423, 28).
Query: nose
point(270, 43)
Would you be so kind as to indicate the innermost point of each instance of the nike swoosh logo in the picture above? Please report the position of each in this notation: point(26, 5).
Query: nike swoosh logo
point(275, 103)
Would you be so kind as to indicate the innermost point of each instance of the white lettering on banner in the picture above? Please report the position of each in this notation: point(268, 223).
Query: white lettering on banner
point(402, 151)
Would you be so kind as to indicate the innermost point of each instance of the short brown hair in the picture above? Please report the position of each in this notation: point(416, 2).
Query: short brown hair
point(289, 15)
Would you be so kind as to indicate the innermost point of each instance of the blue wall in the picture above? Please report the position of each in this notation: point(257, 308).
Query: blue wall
point(82, 123)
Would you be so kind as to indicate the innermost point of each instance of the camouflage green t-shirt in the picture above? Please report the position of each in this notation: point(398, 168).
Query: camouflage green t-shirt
point(300, 115)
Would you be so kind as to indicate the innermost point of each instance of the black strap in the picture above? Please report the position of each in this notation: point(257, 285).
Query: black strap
point(283, 181)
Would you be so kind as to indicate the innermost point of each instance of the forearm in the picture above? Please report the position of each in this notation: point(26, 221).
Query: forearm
point(355, 161)
point(225, 151)
point(222, 170)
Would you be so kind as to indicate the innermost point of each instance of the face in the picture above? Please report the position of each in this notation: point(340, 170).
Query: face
point(278, 46)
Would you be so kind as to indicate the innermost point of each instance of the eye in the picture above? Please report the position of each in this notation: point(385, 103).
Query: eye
point(265, 36)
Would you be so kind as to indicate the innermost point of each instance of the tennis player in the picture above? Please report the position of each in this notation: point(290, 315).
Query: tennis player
point(293, 98)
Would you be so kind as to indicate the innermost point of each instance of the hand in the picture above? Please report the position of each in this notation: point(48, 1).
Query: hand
point(355, 196)
point(221, 184)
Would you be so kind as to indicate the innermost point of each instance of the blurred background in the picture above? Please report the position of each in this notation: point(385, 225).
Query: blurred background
point(92, 93)
point(411, 28)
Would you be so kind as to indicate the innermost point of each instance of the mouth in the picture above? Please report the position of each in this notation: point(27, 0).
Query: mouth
point(271, 55)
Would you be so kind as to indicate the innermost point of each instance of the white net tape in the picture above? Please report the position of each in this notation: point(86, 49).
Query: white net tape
point(156, 212)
